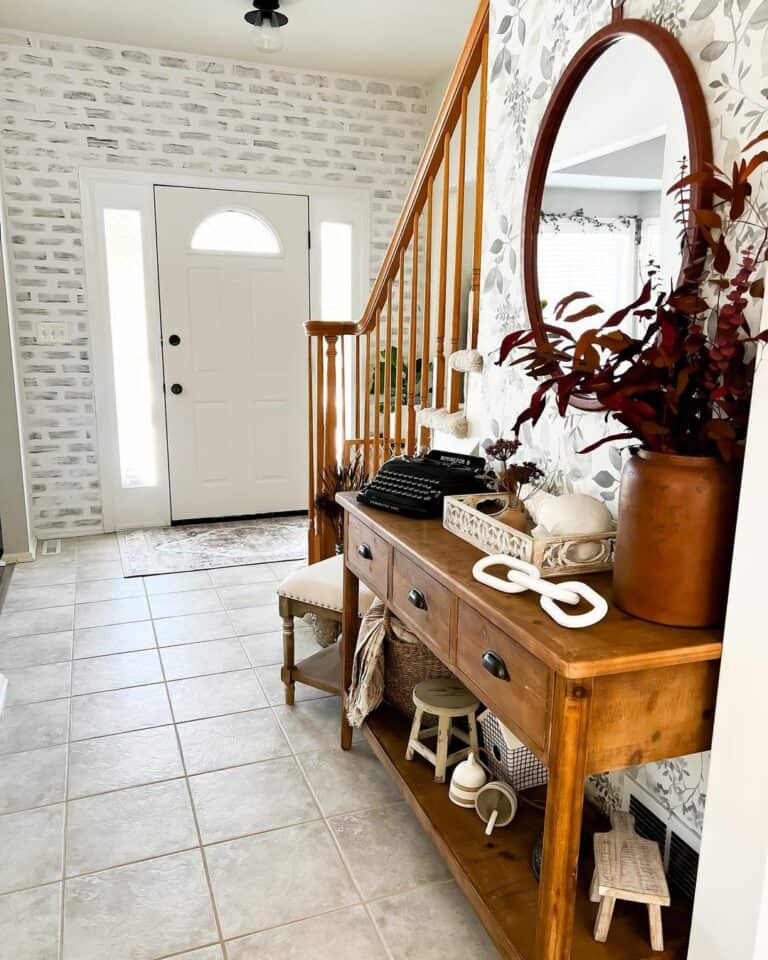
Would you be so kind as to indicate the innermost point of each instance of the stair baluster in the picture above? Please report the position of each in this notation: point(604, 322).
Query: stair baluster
point(358, 390)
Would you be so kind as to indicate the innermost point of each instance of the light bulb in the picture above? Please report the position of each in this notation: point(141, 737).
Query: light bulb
point(267, 36)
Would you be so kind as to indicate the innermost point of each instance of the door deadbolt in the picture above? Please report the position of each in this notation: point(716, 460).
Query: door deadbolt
point(177, 388)
point(174, 339)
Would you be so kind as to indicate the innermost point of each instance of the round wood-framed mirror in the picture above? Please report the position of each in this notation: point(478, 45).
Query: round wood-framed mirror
point(626, 112)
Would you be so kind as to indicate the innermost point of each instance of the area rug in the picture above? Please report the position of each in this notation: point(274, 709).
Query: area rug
point(145, 553)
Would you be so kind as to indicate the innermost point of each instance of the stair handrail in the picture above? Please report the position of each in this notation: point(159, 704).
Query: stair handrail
point(447, 119)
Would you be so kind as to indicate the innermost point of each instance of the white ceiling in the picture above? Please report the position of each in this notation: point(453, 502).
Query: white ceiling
point(406, 39)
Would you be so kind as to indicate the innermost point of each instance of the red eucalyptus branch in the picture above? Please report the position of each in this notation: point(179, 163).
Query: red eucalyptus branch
point(684, 384)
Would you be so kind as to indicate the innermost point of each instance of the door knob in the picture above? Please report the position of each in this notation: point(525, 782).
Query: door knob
point(493, 663)
point(174, 339)
point(177, 388)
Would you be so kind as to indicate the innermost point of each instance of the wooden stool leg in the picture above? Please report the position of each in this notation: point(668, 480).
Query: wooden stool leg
point(415, 729)
point(289, 661)
point(594, 896)
point(654, 923)
point(604, 917)
point(473, 741)
point(443, 737)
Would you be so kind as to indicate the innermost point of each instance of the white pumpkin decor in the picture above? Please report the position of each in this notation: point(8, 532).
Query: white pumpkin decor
point(570, 515)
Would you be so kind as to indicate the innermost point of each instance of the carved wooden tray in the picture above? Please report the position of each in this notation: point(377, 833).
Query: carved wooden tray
point(554, 556)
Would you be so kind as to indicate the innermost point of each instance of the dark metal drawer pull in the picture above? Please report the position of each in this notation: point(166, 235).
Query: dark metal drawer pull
point(417, 598)
point(493, 663)
point(365, 551)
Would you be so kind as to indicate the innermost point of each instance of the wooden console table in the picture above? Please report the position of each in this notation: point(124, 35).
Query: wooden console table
point(621, 693)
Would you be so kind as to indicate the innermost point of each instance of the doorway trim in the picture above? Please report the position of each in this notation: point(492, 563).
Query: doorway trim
point(352, 205)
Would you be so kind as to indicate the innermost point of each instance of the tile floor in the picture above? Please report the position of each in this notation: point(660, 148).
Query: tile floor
point(157, 799)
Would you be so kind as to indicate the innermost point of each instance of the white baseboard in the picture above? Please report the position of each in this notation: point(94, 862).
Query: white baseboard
point(157, 525)
point(3, 691)
point(69, 534)
point(19, 557)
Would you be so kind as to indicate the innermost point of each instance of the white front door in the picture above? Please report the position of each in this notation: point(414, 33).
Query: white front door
point(234, 293)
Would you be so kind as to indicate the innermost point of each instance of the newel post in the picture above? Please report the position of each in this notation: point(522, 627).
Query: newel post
point(327, 454)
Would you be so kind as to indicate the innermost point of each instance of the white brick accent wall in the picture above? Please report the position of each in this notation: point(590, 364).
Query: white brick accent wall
point(66, 104)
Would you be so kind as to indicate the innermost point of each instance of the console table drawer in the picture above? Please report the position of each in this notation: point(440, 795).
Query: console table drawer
point(367, 556)
point(422, 603)
point(520, 694)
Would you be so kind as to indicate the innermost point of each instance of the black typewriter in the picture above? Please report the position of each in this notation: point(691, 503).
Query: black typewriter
point(415, 486)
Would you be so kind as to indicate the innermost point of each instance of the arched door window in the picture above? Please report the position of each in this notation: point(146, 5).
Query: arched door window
point(238, 232)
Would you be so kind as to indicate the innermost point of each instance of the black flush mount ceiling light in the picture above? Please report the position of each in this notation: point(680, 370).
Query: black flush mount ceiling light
point(267, 21)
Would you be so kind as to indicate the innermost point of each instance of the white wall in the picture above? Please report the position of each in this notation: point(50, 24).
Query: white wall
point(731, 913)
point(518, 97)
point(14, 508)
point(435, 93)
point(627, 97)
point(601, 203)
point(68, 104)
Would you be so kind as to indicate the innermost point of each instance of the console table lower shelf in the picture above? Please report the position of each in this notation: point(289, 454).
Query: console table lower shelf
point(495, 872)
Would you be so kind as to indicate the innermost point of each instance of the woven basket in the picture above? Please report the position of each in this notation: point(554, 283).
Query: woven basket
point(406, 663)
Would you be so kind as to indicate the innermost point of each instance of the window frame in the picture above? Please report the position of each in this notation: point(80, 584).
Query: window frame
point(124, 507)
point(330, 203)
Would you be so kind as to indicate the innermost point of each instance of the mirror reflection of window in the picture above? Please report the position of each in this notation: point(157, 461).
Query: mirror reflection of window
point(606, 218)
point(597, 260)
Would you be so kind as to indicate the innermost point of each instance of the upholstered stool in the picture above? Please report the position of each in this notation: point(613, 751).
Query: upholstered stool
point(447, 699)
point(316, 589)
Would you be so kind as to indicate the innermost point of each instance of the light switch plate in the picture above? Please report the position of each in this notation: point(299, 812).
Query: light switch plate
point(52, 331)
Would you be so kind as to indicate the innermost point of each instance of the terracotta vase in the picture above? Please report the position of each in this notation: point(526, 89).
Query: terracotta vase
point(677, 518)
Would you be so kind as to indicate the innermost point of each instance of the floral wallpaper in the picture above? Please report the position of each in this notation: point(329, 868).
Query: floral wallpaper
point(531, 42)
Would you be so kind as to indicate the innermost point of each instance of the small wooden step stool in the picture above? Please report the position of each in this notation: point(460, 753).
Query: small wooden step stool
point(627, 867)
point(447, 699)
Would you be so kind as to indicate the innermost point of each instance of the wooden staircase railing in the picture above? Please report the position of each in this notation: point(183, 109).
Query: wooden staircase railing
point(373, 383)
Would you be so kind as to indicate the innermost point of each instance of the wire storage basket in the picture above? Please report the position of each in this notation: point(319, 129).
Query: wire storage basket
point(514, 764)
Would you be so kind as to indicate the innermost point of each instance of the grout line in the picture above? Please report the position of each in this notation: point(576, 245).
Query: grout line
point(342, 856)
point(65, 826)
point(184, 954)
point(294, 923)
point(186, 776)
point(263, 833)
point(36, 886)
point(129, 863)
point(152, 683)
point(116, 653)
point(380, 898)
point(203, 858)
point(44, 746)
point(202, 773)
point(120, 733)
